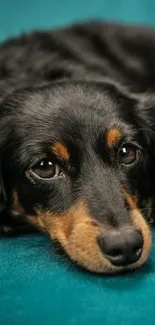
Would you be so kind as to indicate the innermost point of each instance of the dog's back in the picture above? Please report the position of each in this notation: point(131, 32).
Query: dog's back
point(88, 51)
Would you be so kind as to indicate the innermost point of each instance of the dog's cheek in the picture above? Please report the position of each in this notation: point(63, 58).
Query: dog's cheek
point(17, 208)
point(139, 222)
point(77, 233)
point(83, 249)
point(18, 212)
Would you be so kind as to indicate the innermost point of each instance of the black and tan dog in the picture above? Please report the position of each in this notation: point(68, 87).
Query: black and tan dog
point(77, 141)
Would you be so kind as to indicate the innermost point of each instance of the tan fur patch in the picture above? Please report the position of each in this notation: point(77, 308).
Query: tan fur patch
point(113, 136)
point(132, 201)
point(77, 232)
point(60, 151)
point(140, 223)
point(17, 208)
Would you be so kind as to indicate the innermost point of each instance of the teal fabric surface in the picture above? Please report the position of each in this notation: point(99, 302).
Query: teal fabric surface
point(21, 15)
point(37, 286)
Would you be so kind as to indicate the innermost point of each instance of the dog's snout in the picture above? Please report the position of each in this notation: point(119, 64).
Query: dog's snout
point(122, 247)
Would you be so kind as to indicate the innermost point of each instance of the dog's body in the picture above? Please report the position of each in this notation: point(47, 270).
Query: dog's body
point(89, 51)
point(77, 140)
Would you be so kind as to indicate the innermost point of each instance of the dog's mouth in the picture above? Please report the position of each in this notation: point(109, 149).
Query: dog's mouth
point(78, 235)
point(97, 248)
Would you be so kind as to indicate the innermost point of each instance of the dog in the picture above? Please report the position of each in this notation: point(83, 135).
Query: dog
point(77, 141)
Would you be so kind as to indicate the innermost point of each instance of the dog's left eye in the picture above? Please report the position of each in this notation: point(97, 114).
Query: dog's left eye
point(46, 169)
point(128, 154)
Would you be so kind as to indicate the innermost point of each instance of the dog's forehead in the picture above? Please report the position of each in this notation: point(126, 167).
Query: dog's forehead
point(71, 113)
point(74, 96)
point(70, 118)
point(73, 106)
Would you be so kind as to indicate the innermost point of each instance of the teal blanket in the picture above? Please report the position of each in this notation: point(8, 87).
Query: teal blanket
point(19, 15)
point(38, 287)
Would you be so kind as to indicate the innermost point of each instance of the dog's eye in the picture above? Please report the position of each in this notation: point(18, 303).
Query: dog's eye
point(127, 155)
point(46, 169)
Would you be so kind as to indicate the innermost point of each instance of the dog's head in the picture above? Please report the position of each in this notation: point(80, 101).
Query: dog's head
point(76, 162)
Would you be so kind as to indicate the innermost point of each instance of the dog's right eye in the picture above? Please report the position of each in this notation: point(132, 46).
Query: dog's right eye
point(46, 169)
point(128, 154)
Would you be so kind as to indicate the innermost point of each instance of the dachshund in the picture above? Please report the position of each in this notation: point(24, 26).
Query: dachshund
point(77, 138)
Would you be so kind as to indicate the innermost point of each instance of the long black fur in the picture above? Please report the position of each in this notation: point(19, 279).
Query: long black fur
point(107, 63)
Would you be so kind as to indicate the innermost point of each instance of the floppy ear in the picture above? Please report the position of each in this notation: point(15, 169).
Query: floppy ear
point(2, 194)
point(5, 132)
point(145, 119)
point(8, 111)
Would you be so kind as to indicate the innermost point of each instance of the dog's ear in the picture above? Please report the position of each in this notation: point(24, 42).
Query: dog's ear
point(3, 198)
point(5, 133)
point(8, 115)
point(145, 118)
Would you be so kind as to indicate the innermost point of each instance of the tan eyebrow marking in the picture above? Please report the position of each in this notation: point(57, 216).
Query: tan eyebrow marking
point(113, 136)
point(60, 151)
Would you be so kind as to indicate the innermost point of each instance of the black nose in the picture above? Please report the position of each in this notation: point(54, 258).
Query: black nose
point(122, 247)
